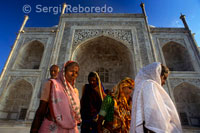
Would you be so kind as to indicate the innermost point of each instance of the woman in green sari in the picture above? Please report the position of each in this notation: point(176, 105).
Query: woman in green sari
point(115, 109)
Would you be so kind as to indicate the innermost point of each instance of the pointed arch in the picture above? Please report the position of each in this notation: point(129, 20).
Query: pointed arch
point(106, 53)
point(177, 57)
point(18, 99)
point(95, 38)
point(30, 56)
point(187, 98)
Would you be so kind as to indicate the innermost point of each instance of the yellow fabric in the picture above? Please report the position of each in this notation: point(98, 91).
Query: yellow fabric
point(126, 82)
point(102, 94)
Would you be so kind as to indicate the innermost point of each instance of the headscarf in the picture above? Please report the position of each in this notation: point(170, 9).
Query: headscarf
point(63, 71)
point(152, 104)
point(64, 102)
point(126, 82)
point(75, 102)
point(100, 85)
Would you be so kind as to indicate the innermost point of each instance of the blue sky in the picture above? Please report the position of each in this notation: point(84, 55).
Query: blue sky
point(161, 13)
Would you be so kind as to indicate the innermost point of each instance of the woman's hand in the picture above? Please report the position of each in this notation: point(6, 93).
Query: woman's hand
point(99, 124)
point(39, 116)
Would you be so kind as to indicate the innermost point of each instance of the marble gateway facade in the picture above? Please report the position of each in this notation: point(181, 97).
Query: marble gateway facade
point(114, 45)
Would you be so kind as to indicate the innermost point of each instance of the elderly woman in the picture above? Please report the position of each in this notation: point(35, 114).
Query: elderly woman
point(91, 100)
point(115, 109)
point(59, 109)
point(153, 109)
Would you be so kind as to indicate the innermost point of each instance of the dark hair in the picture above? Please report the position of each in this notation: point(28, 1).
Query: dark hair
point(92, 74)
point(71, 64)
point(164, 70)
point(54, 66)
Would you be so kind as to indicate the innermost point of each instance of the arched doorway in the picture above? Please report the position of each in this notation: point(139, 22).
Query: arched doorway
point(18, 99)
point(187, 98)
point(177, 57)
point(109, 57)
point(30, 56)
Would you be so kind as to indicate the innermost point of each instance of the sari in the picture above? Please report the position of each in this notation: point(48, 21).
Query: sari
point(152, 107)
point(116, 110)
point(90, 105)
point(64, 106)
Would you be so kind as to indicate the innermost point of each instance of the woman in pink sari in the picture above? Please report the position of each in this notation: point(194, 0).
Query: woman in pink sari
point(59, 109)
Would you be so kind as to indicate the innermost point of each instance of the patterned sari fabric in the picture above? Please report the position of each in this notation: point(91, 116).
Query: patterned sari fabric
point(64, 106)
point(116, 110)
point(122, 116)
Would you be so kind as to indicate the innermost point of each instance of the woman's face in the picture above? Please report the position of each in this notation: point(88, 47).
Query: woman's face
point(93, 82)
point(71, 73)
point(54, 71)
point(127, 91)
point(163, 79)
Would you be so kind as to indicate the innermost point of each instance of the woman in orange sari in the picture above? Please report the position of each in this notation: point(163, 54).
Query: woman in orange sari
point(116, 110)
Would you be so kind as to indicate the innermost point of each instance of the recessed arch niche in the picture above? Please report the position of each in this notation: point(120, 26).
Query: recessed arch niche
point(187, 98)
point(177, 57)
point(30, 56)
point(104, 53)
point(18, 99)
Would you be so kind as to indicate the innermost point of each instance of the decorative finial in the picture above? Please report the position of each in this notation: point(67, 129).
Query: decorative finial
point(182, 16)
point(63, 8)
point(23, 24)
point(26, 17)
point(142, 4)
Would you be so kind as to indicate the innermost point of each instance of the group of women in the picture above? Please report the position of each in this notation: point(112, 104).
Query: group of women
point(137, 107)
point(112, 109)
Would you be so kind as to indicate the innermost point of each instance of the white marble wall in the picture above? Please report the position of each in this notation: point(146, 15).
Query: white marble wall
point(76, 31)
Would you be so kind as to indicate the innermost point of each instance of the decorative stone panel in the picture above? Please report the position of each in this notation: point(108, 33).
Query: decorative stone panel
point(82, 35)
point(31, 80)
point(28, 40)
point(164, 41)
point(176, 81)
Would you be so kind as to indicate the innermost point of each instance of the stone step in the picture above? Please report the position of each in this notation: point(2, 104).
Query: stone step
point(21, 127)
point(17, 129)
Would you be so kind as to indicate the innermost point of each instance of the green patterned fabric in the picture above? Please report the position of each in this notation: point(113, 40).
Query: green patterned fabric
point(107, 108)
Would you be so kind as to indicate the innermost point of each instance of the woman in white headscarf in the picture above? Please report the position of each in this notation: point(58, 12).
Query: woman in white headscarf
point(152, 108)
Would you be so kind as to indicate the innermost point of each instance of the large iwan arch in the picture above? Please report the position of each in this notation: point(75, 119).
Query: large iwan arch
point(30, 56)
point(177, 57)
point(104, 53)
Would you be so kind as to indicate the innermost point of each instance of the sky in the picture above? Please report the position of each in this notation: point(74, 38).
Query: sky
point(45, 13)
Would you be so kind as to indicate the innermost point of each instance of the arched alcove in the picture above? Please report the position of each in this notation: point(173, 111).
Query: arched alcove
point(30, 56)
point(187, 98)
point(177, 57)
point(106, 55)
point(18, 99)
